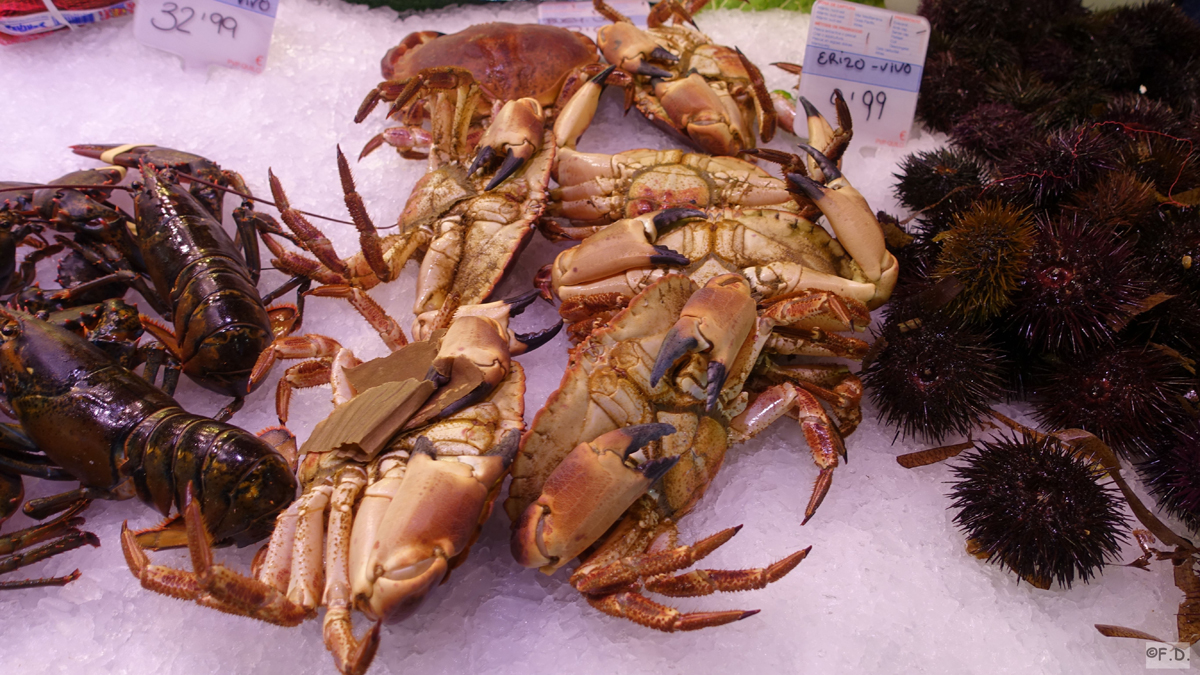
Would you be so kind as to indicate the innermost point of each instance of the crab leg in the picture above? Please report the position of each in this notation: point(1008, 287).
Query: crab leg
point(210, 585)
point(609, 578)
point(313, 239)
point(820, 433)
point(389, 331)
point(627, 570)
point(350, 655)
point(832, 383)
point(706, 582)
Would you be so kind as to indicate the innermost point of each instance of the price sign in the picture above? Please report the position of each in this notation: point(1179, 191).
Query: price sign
point(583, 17)
point(231, 33)
point(876, 57)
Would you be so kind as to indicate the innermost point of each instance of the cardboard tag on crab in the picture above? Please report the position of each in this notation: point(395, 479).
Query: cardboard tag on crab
point(230, 33)
point(583, 17)
point(411, 361)
point(362, 426)
point(876, 57)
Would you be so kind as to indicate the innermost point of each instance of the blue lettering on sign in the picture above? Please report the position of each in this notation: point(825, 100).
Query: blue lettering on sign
point(264, 7)
point(24, 27)
point(862, 69)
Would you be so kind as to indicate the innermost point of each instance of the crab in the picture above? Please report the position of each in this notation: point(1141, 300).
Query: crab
point(686, 365)
point(638, 428)
point(595, 189)
point(510, 62)
point(397, 482)
point(468, 217)
point(780, 254)
point(709, 94)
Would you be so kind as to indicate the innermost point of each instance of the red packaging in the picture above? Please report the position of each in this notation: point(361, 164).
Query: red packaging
point(24, 20)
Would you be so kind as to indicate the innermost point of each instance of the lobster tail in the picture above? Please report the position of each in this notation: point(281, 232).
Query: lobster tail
point(240, 482)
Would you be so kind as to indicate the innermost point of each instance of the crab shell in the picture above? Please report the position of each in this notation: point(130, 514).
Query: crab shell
point(510, 61)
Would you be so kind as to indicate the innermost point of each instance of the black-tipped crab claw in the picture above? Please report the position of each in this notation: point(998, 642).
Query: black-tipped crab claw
point(586, 494)
point(717, 320)
point(515, 134)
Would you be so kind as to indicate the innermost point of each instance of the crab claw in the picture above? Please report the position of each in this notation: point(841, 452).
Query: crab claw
point(517, 132)
point(527, 342)
point(700, 113)
point(585, 495)
point(717, 319)
point(500, 311)
point(852, 221)
point(470, 343)
point(414, 528)
point(578, 111)
point(820, 133)
point(630, 49)
point(624, 245)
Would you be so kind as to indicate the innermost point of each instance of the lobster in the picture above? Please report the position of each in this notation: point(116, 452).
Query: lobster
point(200, 281)
point(84, 417)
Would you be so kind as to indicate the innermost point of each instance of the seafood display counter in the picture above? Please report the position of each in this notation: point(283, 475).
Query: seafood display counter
point(887, 587)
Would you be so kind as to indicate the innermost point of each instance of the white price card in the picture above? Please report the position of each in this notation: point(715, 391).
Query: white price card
point(876, 57)
point(583, 17)
point(231, 33)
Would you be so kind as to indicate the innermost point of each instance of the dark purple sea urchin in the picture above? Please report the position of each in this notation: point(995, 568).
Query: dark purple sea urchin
point(1173, 475)
point(1126, 396)
point(933, 377)
point(1037, 508)
point(1080, 282)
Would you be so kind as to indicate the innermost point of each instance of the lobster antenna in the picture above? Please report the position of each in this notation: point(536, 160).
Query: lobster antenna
point(188, 176)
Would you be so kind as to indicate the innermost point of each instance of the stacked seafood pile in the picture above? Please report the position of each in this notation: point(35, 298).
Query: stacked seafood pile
point(684, 343)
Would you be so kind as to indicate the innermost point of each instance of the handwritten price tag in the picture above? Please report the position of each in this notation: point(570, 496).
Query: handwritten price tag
point(582, 17)
point(876, 57)
point(231, 33)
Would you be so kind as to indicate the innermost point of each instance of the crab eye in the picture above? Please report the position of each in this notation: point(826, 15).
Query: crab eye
point(9, 330)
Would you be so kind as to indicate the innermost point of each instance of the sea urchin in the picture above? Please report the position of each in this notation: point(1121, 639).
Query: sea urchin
point(1037, 508)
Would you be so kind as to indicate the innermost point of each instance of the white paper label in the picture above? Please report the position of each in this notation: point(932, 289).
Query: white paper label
point(231, 33)
point(583, 17)
point(876, 57)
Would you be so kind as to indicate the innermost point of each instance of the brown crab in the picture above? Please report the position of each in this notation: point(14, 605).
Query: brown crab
point(780, 253)
point(686, 366)
point(639, 427)
point(595, 189)
point(469, 218)
point(509, 61)
point(397, 482)
point(710, 94)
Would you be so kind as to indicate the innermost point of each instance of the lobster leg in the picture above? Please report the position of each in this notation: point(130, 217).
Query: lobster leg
point(62, 529)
